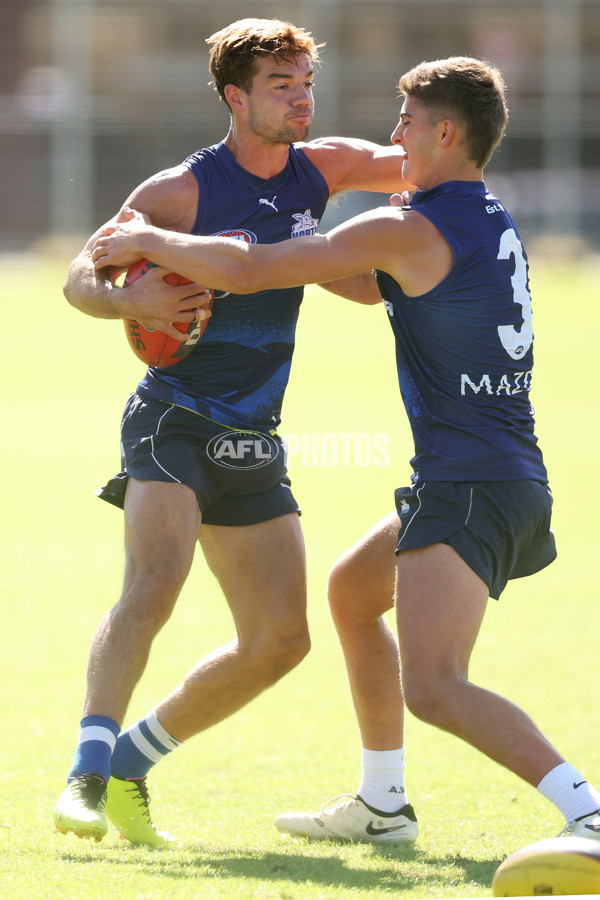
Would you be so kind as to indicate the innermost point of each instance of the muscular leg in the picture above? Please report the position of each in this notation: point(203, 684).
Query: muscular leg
point(440, 605)
point(162, 523)
point(261, 570)
point(360, 590)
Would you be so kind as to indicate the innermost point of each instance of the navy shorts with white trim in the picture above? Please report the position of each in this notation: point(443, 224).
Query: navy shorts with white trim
point(239, 477)
point(501, 529)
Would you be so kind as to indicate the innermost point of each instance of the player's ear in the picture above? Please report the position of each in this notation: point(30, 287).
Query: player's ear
point(235, 97)
point(448, 132)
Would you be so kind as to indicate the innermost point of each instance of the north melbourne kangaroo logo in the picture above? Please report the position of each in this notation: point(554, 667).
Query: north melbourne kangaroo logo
point(305, 224)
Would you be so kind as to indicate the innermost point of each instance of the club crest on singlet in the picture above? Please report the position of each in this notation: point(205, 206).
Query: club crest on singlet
point(240, 234)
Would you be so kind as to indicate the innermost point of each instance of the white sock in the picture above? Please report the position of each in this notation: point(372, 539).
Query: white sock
point(566, 787)
point(382, 783)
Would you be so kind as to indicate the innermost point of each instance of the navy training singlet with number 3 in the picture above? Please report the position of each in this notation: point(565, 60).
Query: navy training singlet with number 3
point(238, 372)
point(465, 349)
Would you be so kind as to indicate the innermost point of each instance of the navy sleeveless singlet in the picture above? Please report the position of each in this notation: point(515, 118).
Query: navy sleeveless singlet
point(238, 372)
point(465, 349)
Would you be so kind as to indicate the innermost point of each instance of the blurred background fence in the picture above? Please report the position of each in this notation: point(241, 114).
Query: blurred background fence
point(96, 95)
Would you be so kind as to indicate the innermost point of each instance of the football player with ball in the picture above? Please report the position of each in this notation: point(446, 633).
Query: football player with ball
point(262, 184)
point(452, 271)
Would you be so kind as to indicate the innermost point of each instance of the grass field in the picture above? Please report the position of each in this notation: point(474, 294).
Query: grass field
point(66, 378)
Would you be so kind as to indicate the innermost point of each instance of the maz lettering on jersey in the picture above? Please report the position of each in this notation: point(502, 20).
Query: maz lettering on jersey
point(508, 384)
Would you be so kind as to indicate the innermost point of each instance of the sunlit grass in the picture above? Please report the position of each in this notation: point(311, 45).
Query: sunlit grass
point(67, 377)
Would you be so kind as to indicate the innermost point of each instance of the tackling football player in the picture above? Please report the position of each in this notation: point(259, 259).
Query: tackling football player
point(453, 274)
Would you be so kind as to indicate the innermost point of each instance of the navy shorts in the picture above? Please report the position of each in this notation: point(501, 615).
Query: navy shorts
point(239, 477)
point(501, 529)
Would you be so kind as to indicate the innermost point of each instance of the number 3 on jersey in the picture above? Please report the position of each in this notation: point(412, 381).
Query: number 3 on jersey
point(516, 343)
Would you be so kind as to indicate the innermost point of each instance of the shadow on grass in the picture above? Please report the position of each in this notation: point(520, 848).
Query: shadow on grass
point(397, 868)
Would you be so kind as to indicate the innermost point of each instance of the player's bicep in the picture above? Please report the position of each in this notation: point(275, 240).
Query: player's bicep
point(169, 199)
point(358, 288)
point(348, 250)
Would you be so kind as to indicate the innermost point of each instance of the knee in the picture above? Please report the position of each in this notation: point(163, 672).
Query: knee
point(339, 594)
point(428, 698)
point(279, 653)
point(290, 650)
point(354, 603)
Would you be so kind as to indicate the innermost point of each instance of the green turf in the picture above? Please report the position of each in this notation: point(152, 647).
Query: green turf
point(66, 378)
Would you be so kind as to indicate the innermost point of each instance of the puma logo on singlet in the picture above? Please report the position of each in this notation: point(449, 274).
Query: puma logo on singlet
point(264, 202)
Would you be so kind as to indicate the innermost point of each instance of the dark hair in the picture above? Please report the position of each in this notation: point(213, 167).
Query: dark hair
point(236, 48)
point(470, 90)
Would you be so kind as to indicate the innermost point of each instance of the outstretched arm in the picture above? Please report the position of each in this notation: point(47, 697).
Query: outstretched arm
point(401, 242)
point(361, 244)
point(353, 164)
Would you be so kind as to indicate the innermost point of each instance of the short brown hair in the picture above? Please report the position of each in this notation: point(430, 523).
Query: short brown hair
point(236, 48)
point(470, 90)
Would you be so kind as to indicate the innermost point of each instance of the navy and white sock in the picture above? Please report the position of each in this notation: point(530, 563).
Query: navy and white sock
point(141, 747)
point(97, 739)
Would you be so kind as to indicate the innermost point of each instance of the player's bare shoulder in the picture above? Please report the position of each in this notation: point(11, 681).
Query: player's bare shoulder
point(169, 197)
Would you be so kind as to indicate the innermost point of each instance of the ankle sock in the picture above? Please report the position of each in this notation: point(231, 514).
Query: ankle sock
point(97, 739)
point(382, 783)
point(570, 792)
point(141, 747)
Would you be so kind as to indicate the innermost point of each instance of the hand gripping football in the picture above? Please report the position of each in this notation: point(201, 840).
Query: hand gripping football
point(155, 348)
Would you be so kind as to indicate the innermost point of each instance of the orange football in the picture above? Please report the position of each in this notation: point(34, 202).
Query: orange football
point(155, 348)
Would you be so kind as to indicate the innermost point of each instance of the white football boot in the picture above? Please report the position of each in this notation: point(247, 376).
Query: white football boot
point(348, 818)
point(584, 827)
